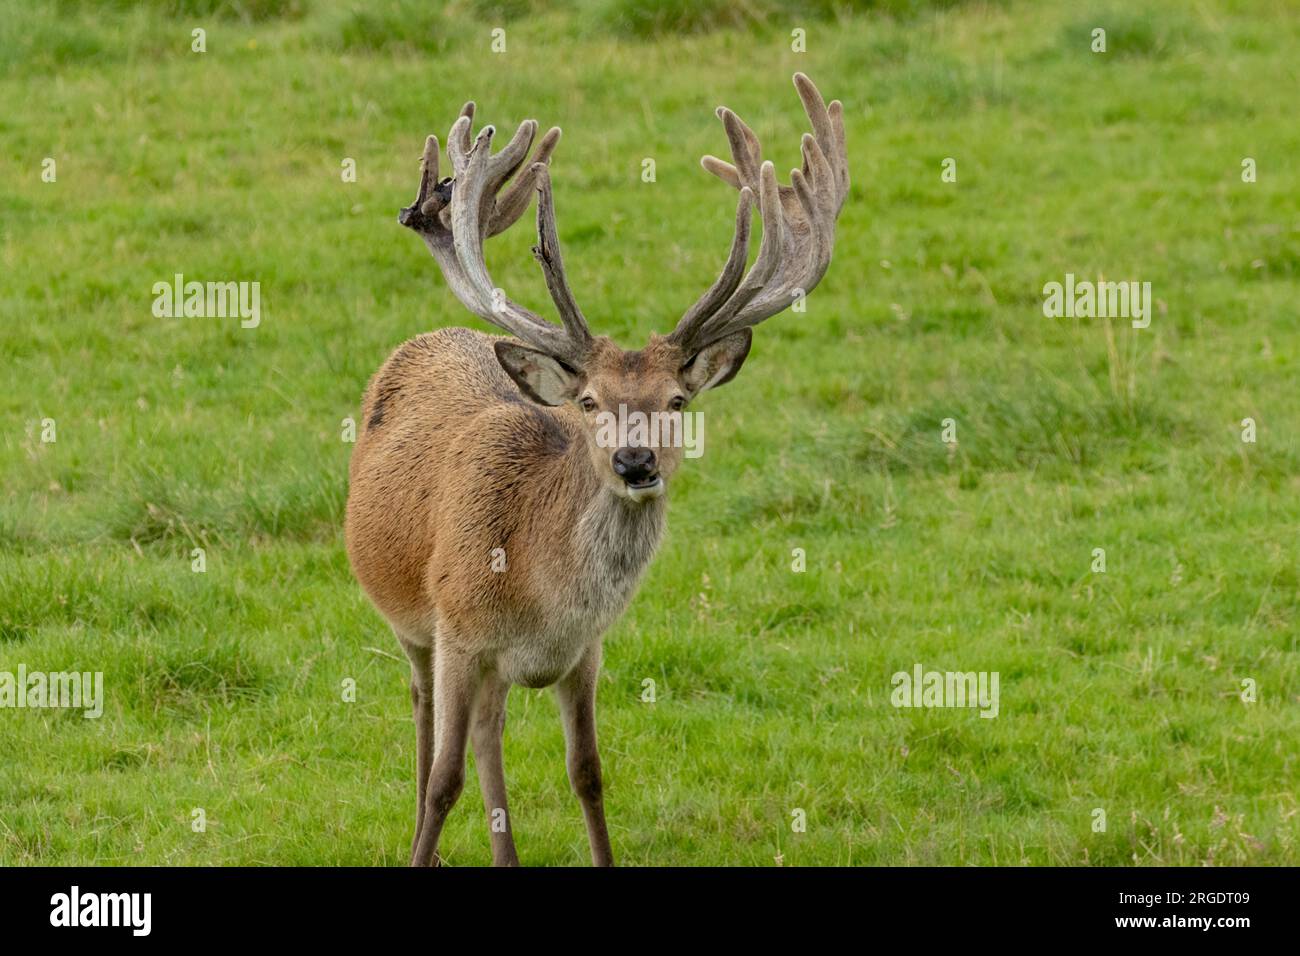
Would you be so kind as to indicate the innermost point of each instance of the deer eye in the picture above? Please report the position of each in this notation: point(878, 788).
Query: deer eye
point(677, 404)
point(587, 403)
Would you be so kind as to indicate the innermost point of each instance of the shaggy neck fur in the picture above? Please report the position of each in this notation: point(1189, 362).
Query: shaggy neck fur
point(617, 538)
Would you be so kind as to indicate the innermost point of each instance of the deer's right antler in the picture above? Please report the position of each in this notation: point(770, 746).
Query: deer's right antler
point(455, 215)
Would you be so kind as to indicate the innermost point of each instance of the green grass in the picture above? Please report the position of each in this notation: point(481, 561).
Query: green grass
point(1118, 690)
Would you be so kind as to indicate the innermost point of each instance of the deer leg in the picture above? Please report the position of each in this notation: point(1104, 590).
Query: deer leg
point(455, 685)
point(486, 729)
point(577, 699)
point(422, 709)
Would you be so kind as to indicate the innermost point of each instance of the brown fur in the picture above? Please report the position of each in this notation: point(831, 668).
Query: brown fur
point(476, 448)
point(453, 462)
point(450, 443)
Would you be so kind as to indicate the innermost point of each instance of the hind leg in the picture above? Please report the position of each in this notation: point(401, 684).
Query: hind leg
point(457, 681)
point(421, 656)
point(486, 727)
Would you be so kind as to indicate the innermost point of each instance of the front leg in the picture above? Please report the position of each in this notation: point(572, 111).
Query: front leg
point(577, 699)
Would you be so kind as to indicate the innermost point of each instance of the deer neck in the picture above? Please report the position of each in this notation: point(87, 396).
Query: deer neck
point(613, 538)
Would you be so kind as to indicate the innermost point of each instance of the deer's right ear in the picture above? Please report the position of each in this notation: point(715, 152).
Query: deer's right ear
point(543, 378)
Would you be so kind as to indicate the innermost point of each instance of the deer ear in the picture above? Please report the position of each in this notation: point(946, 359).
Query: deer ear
point(717, 363)
point(543, 378)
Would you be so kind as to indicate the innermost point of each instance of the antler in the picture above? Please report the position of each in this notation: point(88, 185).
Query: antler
point(455, 215)
point(798, 223)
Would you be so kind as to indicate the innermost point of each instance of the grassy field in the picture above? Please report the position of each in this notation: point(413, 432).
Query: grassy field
point(1120, 690)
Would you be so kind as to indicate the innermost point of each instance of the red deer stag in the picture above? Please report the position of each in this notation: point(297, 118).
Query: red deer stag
point(486, 519)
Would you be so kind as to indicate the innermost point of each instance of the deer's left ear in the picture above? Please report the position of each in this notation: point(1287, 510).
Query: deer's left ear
point(543, 378)
point(717, 363)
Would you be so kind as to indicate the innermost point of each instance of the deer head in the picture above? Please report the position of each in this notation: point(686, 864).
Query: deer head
point(566, 364)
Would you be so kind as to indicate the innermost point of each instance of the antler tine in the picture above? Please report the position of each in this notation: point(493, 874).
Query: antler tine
point(798, 222)
point(456, 215)
point(512, 203)
point(547, 253)
point(769, 248)
point(465, 215)
point(458, 140)
point(730, 276)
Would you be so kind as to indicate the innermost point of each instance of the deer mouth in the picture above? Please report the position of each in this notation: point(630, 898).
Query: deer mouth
point(645, 489)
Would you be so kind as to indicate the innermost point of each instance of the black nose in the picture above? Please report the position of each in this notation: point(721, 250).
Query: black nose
point(636, 466)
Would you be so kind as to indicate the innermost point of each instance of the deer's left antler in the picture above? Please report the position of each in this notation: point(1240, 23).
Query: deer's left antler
point(798, 223)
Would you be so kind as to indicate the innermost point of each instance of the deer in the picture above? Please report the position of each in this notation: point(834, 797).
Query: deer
point(487, 521)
